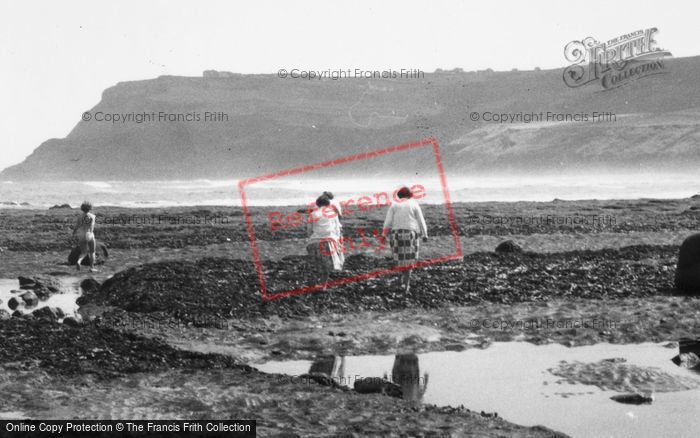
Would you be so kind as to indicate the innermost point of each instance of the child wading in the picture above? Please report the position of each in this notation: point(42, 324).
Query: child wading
point(84, 229)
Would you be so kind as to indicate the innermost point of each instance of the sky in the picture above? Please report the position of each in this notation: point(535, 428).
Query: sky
point(58, 57)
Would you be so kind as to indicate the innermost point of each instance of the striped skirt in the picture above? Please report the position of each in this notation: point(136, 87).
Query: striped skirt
point(404, 245)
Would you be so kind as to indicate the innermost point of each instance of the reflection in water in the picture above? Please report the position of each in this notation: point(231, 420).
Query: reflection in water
point(406, 373)
point(331, 366)
point(516, 379)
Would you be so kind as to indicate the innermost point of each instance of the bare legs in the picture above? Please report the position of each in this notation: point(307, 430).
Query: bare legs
point(406, 279)
point(91, 247)
point(87, 249)
point(83, 254)
point(325, 274)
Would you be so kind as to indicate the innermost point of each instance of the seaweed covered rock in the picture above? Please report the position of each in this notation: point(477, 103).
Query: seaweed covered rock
point(60, 207)
point(101, 351)
point(224, 288)
point(508, 247)
point(688, 269)
point(48, 313)
point(25, 281)
point(14, 302)
point(90, 285)
point(101, 255)
point(42, 286)
point(376, 385)
point(211, 286)
point(30, 299)
point(688, 354)
point(690, 361)
point(73, 321)
point(633, 399)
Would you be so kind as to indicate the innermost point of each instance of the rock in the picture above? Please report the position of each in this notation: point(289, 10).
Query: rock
point(56, 206)
point(688, 354)
point(90, 312)
point(90, 285)
point(25, 281)
point(13, 303)
point(4, 314)
point(376, 385)
point(508, 247)
point(73, 321)
point(455, 347)
point(689, 345)
point(17, 314)
point(633, 399)
point(53, 284)
point(689, 360)
point(687, 277)
point(16, 291)
point(615, 360)
point(101, 254)
point(30, 299)
point(47, 313)
point(42, 286)
point(695, 197)
point(43, 292)
point(320, 378)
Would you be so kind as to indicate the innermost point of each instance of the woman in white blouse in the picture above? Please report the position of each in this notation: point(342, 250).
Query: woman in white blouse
point(406, 228)
point(323, 245)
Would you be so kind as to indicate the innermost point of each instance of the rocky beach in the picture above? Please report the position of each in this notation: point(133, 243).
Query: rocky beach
point(176, 304)
point(350, 220)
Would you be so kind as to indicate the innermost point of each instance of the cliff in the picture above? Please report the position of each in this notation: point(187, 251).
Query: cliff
point(228, 126)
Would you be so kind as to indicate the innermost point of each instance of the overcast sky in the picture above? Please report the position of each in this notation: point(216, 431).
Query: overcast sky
point(58, 57)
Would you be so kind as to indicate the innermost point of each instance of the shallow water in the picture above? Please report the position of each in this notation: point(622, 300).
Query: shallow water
point(66, 301)
point(514, 380)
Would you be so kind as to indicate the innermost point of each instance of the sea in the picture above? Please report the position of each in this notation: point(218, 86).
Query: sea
point(297, 191)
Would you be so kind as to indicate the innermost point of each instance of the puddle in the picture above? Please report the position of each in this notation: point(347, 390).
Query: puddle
point(12, 415)
point(65, 301)
point(514, 379)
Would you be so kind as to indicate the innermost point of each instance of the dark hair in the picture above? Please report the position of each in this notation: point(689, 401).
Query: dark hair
point(86, 206)
point(404, 192)
point(328, 195)
point(323, 201)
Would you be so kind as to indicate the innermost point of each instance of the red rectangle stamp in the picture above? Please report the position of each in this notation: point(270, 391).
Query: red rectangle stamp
point(319, 216)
